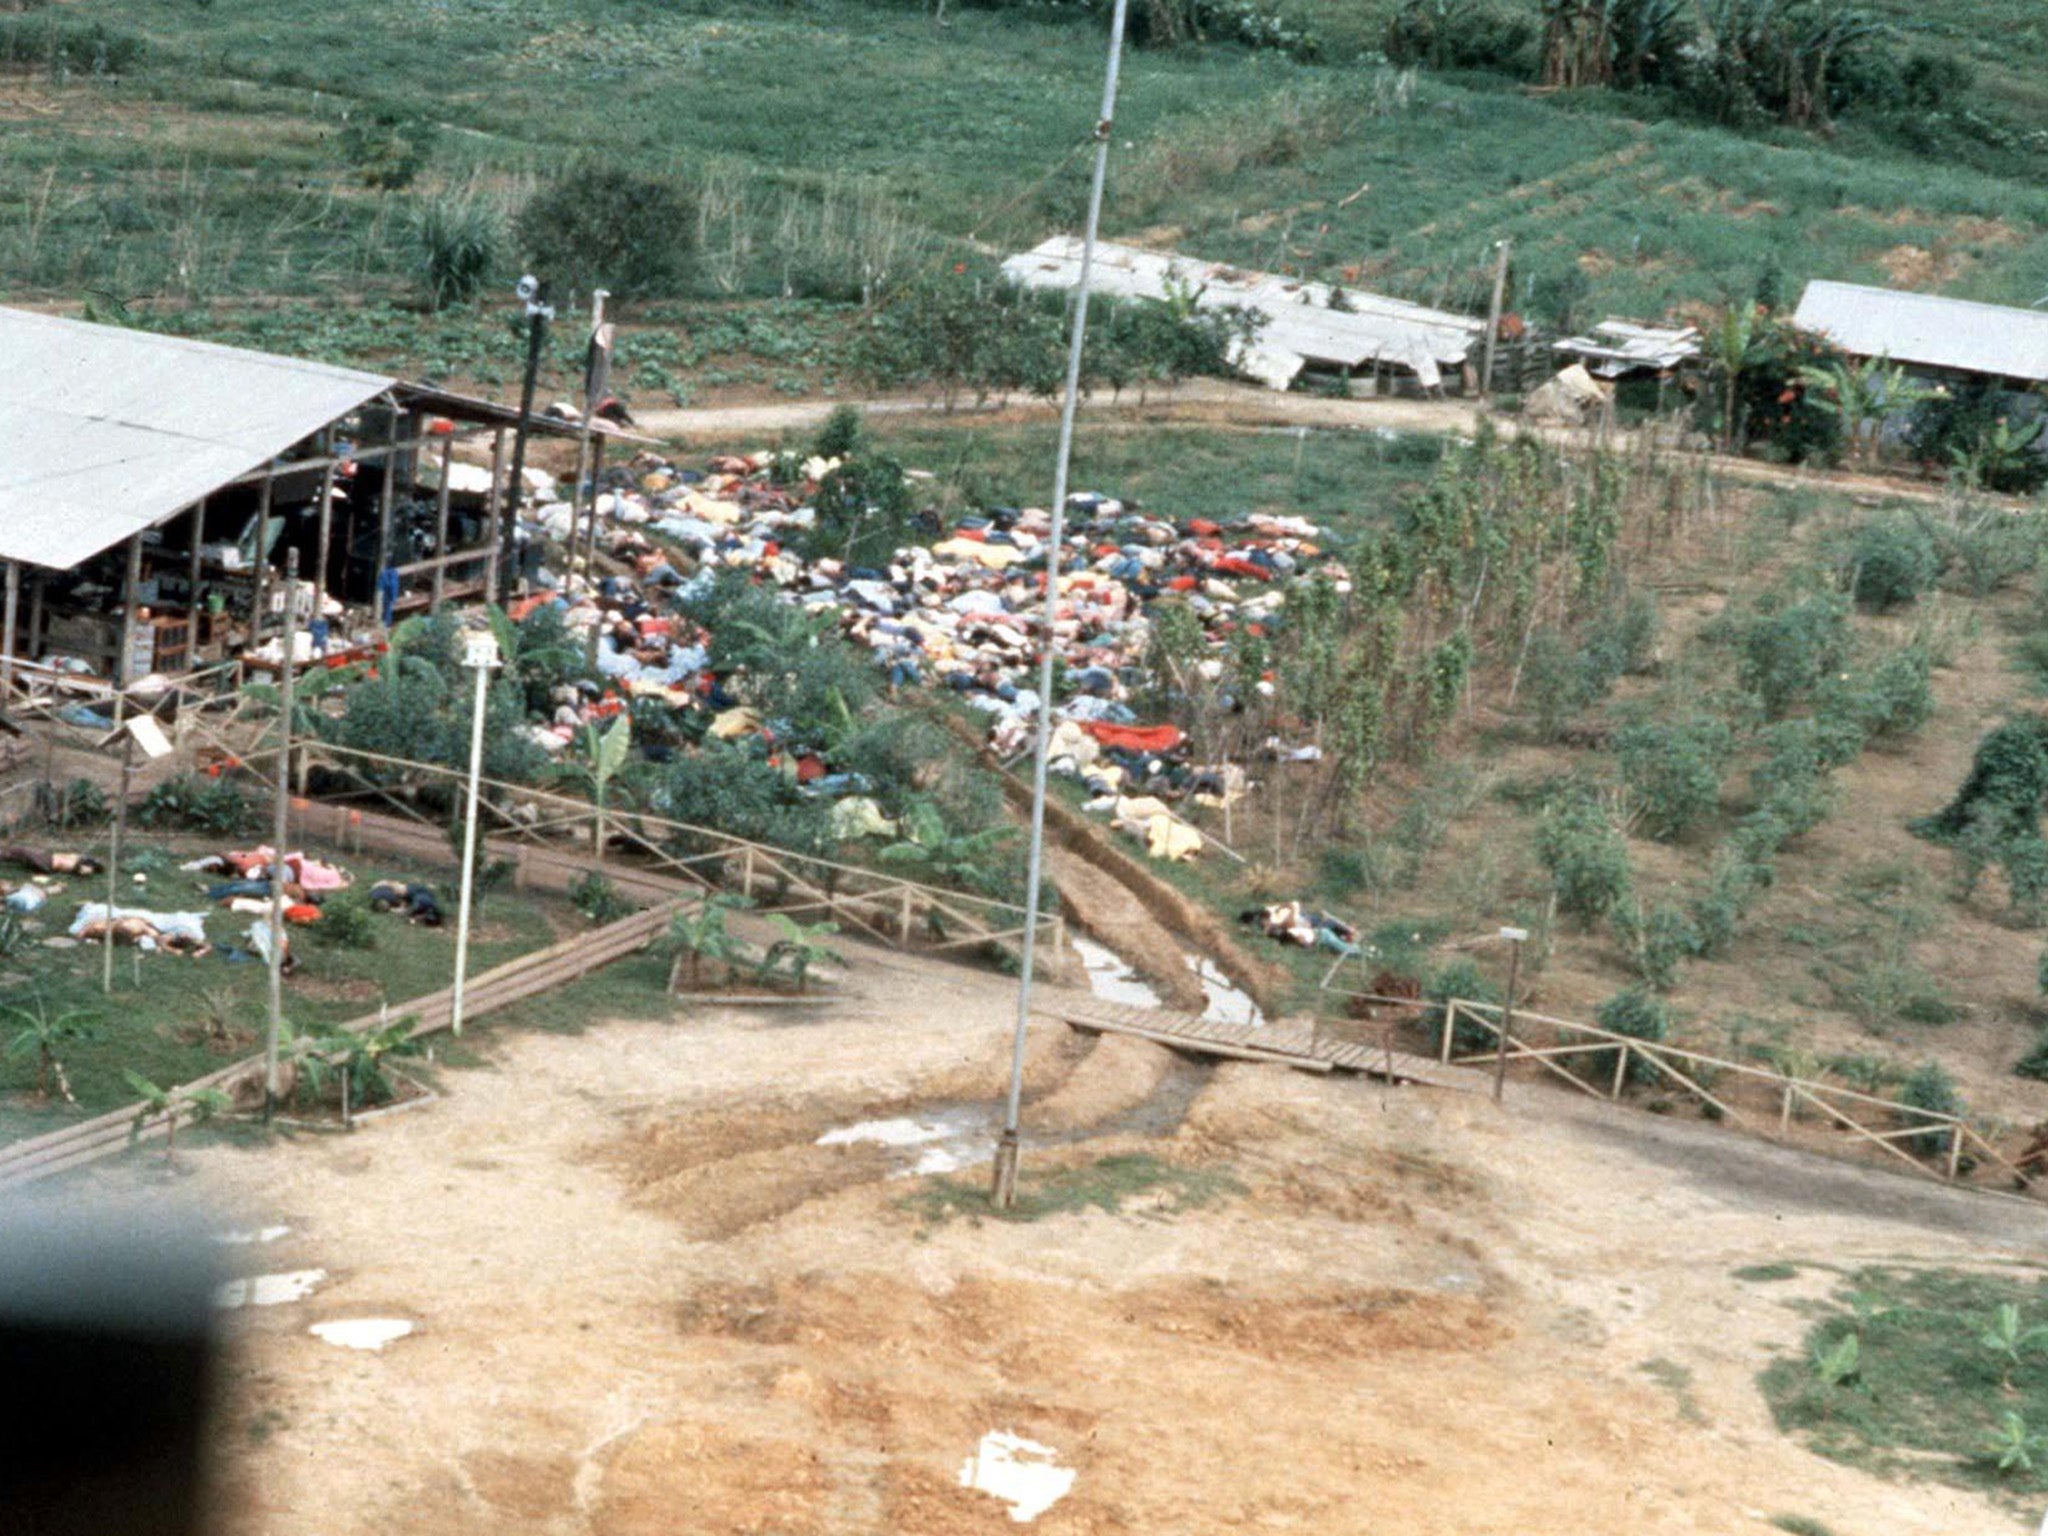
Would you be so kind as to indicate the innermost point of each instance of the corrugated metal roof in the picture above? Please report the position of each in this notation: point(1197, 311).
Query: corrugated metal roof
point(1616, 347)
point(106, 431)
point(1922, 328)
point(1300, 327)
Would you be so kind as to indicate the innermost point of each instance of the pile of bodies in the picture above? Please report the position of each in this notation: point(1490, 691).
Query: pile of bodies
point(960, 613)
point(236, 882)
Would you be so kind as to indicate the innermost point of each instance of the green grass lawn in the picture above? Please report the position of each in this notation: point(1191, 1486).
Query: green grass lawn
point(1344, 479)
point(1929, 1397)
point(157, 1025)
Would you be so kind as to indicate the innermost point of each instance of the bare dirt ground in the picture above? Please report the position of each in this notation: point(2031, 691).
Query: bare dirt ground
point(648, 1302)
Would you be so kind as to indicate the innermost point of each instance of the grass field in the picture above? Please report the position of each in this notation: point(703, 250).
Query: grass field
point(156, 1020)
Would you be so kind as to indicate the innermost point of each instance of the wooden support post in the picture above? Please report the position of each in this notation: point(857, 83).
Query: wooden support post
point(192, 568)
point(903, 919)
point(1620, 1073)
point(130, 581)
point(590, 536)
point(495, 511)
point(325, 552)
point(384, 497)
point(441, 524)
point(1785, 1113)
point(35, 616)
point(1450, 1024)
point(260, 598)
point(1500, 283)
point(1955, 1150)
point(8, 642)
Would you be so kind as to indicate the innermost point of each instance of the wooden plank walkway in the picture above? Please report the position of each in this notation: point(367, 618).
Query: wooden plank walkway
point(1288, 1042)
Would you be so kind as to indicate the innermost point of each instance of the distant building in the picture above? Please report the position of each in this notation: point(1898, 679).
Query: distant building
point(1944, 340)
point(1307, 325)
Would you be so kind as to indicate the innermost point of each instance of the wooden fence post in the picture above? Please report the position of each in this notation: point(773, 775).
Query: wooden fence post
point(1955, 1150)
point(1450, 1020)
point(1620, 1073)
point(903, 920)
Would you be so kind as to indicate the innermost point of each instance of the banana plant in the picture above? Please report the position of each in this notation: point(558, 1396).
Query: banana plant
point(1837, 1366)
point(601, 754)
point(699, 933)
point(1732, 344)
point(2005, 1337)
point(940, 854)
point(798, 949)
point(1860, 394)
point(47, 1034)
point(2014, 1447)
point(165, 1104)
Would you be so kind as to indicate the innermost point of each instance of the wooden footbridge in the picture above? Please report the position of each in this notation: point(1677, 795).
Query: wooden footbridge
point(1304, 1043)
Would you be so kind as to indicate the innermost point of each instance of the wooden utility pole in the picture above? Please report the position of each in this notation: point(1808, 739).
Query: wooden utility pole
point(441, 521)
point(583, 503)
point(7, 657)
point(260, 597)
point(1515, 937)
point(1500, 287)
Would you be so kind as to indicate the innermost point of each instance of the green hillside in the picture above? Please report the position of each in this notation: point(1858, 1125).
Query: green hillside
point(161, 153)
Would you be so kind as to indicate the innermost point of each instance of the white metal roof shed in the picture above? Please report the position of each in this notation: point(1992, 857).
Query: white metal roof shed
point(1995, 340)
point(106, 431)
point(1300, 326)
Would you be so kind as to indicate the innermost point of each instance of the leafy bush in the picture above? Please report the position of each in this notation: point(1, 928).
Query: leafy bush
point(1461, 980)
point(598, 899)
point(1985, 434)
point(1891, 561)
point(1587, 858)
point(196, 804)
point(1791, 783)
point(388, 150)
point(2002, 796)
point(1673, 771)
point(1638, 1015)
point(1788, 644)
point(81, 803)
point(460, 237)
point(1716, 913)
point(598, 225)
point(1991, 550)
point(864, 513)
point(1658, 939)
point(1893, 698)
point(1460, 34)
point(1929, 1087)
point(346, 921)
point(2035, 1063)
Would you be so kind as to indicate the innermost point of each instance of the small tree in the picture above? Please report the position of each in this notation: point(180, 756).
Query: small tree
point(166, 1104)
point(1586, 856)
point(48, 1034)
point(599, 225)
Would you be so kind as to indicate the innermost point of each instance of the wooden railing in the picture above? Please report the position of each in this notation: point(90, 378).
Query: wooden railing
point(903, 914)
point(1773, 1103)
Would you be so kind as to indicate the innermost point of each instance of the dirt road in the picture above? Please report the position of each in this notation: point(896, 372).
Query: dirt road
point(1222, 405)
point(647, 1300)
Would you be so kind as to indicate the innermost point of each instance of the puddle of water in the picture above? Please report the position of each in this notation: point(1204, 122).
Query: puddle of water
point(362, 1332)
point(1111, 979)
point(243, 1236)
point(944, 1141)
point(1227, 1004)
point(269, 1290)
point(1022, 1473)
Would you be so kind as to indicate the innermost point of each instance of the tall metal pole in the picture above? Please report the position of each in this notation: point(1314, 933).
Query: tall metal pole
point(1004, 1191)
point(280, 830)
point(481, 652)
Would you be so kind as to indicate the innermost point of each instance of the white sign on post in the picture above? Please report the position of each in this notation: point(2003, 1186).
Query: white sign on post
point(149, 736)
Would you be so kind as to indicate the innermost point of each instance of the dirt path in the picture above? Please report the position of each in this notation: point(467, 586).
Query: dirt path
point(648, 1300)
point(1223, 405)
